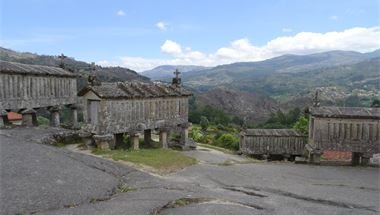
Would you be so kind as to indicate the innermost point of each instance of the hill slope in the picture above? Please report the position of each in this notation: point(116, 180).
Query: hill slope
point(103, 73)
point(165, 72)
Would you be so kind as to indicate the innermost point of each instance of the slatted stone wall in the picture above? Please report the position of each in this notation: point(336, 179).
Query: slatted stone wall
point(18, 91)
point(260, 144)
point(355, 135)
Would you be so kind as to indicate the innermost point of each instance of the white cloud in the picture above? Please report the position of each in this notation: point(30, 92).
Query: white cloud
point(172, 48)
point(354, 39)
point(333, 17)
point(287, 30)
point(120, 13)
point(163, 26)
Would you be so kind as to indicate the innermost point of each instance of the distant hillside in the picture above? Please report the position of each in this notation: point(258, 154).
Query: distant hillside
point(103, 73)
point(249, 71)
point(165, 72)
point(250, 107)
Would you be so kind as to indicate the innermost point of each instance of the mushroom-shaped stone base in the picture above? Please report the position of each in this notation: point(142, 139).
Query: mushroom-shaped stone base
point(106, 141)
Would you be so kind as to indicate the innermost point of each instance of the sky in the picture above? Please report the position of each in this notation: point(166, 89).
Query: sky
point(142, 34)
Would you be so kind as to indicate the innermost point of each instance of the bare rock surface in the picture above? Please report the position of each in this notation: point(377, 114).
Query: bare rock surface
point(42, 179)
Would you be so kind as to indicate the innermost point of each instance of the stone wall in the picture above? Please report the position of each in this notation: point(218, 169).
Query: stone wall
point(31, 91)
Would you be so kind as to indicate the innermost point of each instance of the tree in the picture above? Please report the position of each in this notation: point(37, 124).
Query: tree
point(302, 125)
point(375, 103)
point(204, 123)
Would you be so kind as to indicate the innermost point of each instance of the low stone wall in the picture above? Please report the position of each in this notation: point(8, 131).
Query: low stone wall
point(63, 137)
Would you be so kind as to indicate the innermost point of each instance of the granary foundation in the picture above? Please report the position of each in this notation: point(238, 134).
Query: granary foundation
point(29, 117)
point(54, 116)
point(184, 140)
point(134, 138)
point(3, 118)
point(104, 142)
point(87, 139)
point(74, 116)
point(164, 138)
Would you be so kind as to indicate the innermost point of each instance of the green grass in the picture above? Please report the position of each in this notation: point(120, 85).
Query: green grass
point(162, 160)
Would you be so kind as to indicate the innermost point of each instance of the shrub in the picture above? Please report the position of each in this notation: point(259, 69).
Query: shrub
point(228, 141)
point(196, 135)
point(204, 123)
point(42, 121)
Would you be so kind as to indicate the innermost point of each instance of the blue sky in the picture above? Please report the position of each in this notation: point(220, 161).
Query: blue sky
point(141, 34)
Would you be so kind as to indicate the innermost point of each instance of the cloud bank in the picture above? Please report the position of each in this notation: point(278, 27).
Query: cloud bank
point(353, 39)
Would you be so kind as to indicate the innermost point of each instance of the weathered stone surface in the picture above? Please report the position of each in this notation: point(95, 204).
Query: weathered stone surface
point(163, 138)
point(34, 86)
point(29, 117)
point(104, 141)
point(345, 129)
point(135, 106)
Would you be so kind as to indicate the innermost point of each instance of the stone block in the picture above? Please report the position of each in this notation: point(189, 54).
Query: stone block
point(104, 141)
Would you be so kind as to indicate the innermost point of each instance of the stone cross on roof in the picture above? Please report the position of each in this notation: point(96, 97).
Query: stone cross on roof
point(316, 101)
point(176, 73)
point(176, 80)
point(92, 80)
point(62, 57)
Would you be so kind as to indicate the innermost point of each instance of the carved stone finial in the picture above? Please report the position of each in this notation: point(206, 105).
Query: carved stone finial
point(92, 80)
point(62, 57)
point(176, 80)
point(316, 102)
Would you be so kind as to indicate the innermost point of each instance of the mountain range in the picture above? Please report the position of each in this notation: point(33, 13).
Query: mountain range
point(253, 90)
point(165, 72)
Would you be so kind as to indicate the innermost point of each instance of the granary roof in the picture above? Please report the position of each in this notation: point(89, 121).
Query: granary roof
point(273, 132)
point(346, 112)
point(135, 89)
point(29, 69)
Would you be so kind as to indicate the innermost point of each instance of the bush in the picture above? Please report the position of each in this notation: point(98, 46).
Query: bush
point(196, 134)
point(204, 123)
point(42, 121)
point(228, 141)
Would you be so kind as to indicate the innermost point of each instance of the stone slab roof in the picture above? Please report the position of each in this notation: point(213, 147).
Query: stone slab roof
point(29, 69)
point(272, 132)
point(135, 89)
point(346, 112)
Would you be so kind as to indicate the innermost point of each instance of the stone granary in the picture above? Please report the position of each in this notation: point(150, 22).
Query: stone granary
point(114, 109)
point(349, 129)
point(25, 88)
point(272, 142)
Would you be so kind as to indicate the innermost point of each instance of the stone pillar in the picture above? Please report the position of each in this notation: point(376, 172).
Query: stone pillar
point(87, 139)
point(355, 160)
point(54, 116)
point(147, 137)
point(119, 139)
point(134, 138)
point(164, 138)
point(3, 117)
point(184, 141)
point(104, 142)
point(29, 117)
point(74, 116)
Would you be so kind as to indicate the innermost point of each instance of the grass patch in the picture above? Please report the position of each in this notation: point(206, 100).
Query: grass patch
point(162, 160)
